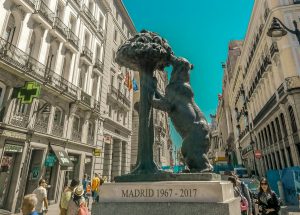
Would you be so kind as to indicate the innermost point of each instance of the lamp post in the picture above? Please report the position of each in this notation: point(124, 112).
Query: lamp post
point(278, 29)
point(252, 143)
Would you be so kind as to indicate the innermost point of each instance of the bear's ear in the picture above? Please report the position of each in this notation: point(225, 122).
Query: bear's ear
point(192, 66)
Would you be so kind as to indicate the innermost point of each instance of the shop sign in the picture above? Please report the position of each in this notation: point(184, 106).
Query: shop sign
point(50, 160)
point(246, 150)
point(35, 172)
point(13, 148)
point(30, 90)
point(97, 152)
point(13, 134)
point(73, 158)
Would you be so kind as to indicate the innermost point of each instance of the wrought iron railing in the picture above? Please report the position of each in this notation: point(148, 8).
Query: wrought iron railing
point(90, 16)
point(76, 135)
point(73, 39)
point(86, 98)
point(124, 99)
point(87, 53)
point(20, 120)
point(41, 125)
point(98, 65)
point(45, 12)
point(61, 84)
point(60, 27)
point(57, 130)
point(22, 61)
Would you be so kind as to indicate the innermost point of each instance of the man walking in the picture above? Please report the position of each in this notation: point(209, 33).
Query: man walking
point(95, 187)
point(41, 195)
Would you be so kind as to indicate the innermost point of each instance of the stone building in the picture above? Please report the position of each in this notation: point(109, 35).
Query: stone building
point(264, 96)
point(68, 48)
point(162, 147)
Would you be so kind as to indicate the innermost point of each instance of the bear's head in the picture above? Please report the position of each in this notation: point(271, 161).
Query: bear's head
point(181, 69)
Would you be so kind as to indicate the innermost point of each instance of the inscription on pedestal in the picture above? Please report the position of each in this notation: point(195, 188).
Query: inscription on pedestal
point(159, 193)
point(167, 192)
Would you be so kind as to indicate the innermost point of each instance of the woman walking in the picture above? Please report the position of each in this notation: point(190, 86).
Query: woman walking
point(267, 199)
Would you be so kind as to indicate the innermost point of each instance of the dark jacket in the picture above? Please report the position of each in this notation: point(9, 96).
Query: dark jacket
point(268, 201)
point(246, 194)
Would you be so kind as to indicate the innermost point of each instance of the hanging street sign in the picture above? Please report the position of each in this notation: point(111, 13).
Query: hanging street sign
point(28, 92)
point(97, 152)
point(50, 160)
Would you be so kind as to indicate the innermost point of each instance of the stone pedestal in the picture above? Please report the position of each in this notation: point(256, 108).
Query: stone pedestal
point(167, 198)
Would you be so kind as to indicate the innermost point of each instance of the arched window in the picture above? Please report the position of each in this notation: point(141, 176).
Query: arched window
point(34, 45)
point(278, 129)
point(59, 116)
point(293, 121)
point(283, 124)
point(91, 129)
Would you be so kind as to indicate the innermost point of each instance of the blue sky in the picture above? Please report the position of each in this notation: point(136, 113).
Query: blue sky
point(200, 31)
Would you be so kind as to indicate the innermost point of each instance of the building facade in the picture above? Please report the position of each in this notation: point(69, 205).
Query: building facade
point(263, 92)
point(163, 146)
point(68, 49)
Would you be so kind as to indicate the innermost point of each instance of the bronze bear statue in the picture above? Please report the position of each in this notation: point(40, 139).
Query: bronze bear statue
point(186, 116)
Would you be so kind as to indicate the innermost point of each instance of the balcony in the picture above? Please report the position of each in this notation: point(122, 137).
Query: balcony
point(41, 125)
point(98, 65)
point(118, 98)
point(76, 135)
point(60, 27)
point(87, 54)
point(61, 84)
point(20, 120)
point(85, 98)
point(57, 130)
point(100, 30)
point(72, 39)
point(96, 105)
point(23, 63)
point(43, 10)
point(89, 15)
point(28, 5)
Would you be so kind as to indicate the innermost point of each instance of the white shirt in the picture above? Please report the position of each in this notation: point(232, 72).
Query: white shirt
point(40, 193)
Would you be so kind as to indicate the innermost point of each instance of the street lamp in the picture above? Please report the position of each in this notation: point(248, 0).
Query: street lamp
point(252, 143)
point(278, 29)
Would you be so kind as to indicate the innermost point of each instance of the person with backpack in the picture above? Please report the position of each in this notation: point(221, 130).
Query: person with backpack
point(246, 193)
point(95, 187)
point(77, 205)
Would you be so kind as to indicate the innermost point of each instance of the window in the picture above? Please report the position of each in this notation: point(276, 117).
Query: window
point(278, 129)
point(58, 117)
point(293, 121)
point(112, 80)
point(115, 35)
point(101, 21)
point(10, 29)
point(283, 125)
point(109, 111)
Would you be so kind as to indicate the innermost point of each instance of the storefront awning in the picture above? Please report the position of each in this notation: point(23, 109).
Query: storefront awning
point(62, 156)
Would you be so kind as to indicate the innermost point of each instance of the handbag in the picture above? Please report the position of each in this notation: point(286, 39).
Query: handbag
point(244, 204)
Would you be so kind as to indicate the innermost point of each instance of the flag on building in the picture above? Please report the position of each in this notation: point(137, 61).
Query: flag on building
point(126, 81)
point(130, 82)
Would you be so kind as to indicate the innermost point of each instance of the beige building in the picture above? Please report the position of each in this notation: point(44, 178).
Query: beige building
point(162, 147)
point(264, 97)
point(68, 47)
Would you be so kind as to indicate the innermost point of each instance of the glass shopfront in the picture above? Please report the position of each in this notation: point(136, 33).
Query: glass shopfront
point(73, 171)
point(9, 166)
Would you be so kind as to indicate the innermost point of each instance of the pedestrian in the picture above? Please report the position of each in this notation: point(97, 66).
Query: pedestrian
point(85, 184)
point(238, 193)
point(29, 204)
point(66, 196)
point(268, 202)
point(95, 187)
point(77, 205)
point(41, 195)
point(246, 193)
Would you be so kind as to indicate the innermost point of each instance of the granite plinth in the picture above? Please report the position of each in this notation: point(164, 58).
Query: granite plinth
point(167, 198)
point(166, 176)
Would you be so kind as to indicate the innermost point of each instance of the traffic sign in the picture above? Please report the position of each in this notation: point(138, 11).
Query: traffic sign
point(258, 154)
